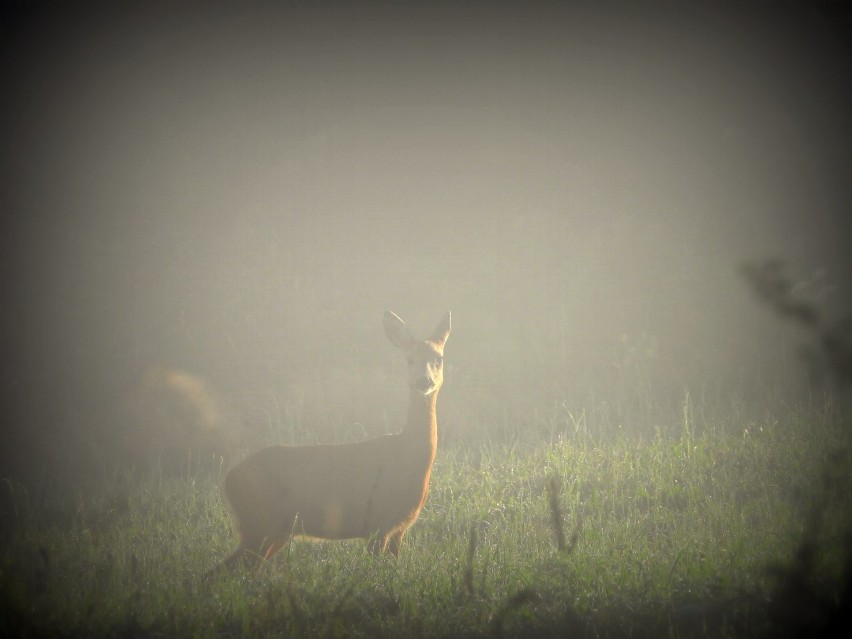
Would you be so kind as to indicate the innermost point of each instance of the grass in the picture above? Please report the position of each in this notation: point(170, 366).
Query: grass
point(688, 535)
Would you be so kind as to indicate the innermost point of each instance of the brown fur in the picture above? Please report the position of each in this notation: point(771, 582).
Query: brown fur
point(374, 488)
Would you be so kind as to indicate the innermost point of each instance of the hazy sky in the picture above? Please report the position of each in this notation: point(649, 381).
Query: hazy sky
point(228, 189)
point(465, 115)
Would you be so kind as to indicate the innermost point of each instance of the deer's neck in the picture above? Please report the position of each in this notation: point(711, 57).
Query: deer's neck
point(421, 430)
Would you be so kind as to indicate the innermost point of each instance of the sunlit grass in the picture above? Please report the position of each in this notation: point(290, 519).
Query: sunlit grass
point(670, 535)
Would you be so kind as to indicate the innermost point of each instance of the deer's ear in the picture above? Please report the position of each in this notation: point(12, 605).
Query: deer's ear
point(442, 331)
point(397, 331)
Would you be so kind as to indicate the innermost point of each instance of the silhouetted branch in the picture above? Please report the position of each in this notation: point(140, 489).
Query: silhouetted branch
point(774, 288)
point(833, 339)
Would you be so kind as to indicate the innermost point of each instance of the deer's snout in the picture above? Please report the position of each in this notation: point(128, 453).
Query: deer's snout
point(425, 384)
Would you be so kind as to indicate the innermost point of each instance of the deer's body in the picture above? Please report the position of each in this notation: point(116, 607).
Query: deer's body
point(374, 488)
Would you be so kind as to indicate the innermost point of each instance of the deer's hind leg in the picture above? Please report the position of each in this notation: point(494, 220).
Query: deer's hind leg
point(249, 556)
point(386, 541)
point(274, 547)
point(394, 542)
point(242, 557)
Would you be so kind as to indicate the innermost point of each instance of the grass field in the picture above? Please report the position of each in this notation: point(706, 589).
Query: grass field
point(728, 529)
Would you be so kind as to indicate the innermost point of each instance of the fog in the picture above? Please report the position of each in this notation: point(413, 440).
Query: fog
point(238, 194)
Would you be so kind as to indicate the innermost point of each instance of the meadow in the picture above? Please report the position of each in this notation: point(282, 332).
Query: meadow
point(710, 528)
point(223, 205)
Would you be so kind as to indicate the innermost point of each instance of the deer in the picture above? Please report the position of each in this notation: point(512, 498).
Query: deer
point(373, 489)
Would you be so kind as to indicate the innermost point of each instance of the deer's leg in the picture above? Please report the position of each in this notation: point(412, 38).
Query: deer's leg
point(242, 557)
point(274, 547)
point(380, 542)
point(394, 542)
point(386, 541)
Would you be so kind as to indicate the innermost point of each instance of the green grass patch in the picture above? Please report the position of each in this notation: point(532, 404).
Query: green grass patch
point(673, 536)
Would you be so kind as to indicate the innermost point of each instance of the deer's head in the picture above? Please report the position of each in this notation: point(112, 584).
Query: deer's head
point(425, 357)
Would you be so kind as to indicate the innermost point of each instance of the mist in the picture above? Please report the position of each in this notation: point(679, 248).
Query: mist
point(238, 194)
